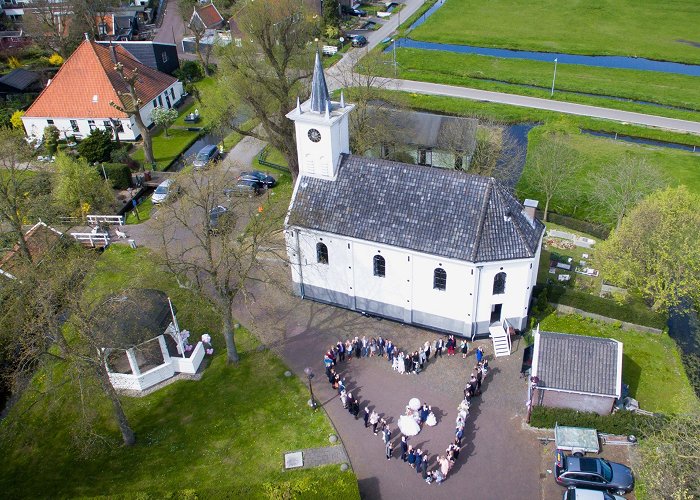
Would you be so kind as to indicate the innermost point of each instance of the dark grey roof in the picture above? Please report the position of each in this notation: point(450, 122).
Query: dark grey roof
point(20, 79)
point(577, 363)
point(144, 52)
point(432, 130)
point(320, 99)
point(436, 211)
point(133, 317)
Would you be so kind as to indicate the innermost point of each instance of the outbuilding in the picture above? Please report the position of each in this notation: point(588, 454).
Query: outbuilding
point(576, 371)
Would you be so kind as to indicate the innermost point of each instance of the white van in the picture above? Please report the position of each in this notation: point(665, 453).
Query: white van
point(162, 191)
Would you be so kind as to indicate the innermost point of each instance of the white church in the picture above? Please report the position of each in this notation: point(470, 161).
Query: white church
point(442, 249)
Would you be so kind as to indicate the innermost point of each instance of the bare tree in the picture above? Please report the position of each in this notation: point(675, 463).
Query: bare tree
point(219, 254)
point(54, 25)
point(131, 105)
point(621, 186)
point(15, 180)
point(198, 31)
point(93, 13)
point(551, 166)
point(267, 72)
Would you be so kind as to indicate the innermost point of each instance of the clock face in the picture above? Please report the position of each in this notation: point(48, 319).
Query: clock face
point(314, 135)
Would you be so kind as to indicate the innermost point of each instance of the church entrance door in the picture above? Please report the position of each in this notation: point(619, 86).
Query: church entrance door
point(496, 313)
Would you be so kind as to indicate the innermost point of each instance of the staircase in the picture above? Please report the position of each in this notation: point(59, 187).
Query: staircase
point(500, 338)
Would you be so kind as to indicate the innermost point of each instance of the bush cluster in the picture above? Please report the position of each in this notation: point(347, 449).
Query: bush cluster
point(597, 230)
point(623, 423)
point(119, 174)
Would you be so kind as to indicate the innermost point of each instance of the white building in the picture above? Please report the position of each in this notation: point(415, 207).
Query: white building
point(77, 100)
point(438, 248)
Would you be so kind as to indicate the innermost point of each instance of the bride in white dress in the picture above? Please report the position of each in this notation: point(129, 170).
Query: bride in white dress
point(402, 365)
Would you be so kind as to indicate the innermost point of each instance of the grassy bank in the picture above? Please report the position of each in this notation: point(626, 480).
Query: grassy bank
point(222, 436)
point(516, 76)
point(651, 364)
point(167, 150)
point(638, 28)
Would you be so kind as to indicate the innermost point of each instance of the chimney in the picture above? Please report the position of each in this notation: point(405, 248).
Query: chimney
point(87, 37)
point(529, 208)
point(113, 52)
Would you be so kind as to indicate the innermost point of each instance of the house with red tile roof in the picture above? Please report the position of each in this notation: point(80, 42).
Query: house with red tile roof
point(207, 17)
point(77, 100)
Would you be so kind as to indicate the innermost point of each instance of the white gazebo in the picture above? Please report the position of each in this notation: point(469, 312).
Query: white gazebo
point(146, 343)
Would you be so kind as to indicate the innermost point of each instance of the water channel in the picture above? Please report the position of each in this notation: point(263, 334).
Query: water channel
point(618, 62)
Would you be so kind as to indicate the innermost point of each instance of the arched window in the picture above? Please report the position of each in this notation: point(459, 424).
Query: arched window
point(499, 283)
point(321, 253)
point(379, 266)
point(439, 279)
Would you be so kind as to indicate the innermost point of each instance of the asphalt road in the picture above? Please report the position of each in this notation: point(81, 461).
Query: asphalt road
point(173, 29)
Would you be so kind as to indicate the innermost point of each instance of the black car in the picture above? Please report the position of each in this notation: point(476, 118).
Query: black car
point(353, 11)
point(359, 41)
point(596, 473)
point(246, 187)
point(257, 175)
point(217, 215)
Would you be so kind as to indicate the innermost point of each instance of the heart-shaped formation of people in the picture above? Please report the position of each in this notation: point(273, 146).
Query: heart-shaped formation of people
point(410, 362)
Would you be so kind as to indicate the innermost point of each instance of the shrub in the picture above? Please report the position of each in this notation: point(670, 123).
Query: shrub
point(597, 230)
point(16, 119)
point(121, 155)
point(13, 62)
point(97, 146)
point(118, 174)
point(622, 422)
point(55, 60)
point(51, 135)
point(190, 71)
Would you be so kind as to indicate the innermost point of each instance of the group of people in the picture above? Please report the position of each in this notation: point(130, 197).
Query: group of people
point(412, 362)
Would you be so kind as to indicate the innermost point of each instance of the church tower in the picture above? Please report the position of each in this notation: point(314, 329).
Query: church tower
point(322, 129)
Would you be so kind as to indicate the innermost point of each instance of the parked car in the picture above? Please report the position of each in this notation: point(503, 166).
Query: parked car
point(359, 41)
point(216, 218)
point(206, 155)
point(595, 473)
point(246, 187)
point(257, 175)
point(353, 11)
point(574, 493)
point(162, 192)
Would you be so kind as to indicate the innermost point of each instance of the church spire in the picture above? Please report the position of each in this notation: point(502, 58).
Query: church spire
point(320, 98)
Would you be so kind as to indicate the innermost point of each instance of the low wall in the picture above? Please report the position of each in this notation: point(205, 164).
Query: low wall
point(191, 364)
point(143, 381)
point(625, 326)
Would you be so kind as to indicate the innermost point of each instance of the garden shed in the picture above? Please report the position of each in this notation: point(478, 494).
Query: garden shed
point(143, 344)
point(575, 371)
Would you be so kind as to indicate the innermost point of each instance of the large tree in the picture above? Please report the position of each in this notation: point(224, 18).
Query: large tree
point(551, 167)
point(655, 250)
point(54, 24)
point(267, 72)
point(622, 185)
point(218, 256)
point(198, 31)
point(79, 188)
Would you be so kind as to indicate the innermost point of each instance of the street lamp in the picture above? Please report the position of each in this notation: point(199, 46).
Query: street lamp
point(554, 77)
point(310, 374)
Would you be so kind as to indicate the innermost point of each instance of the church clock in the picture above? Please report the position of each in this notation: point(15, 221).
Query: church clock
point(314, 135)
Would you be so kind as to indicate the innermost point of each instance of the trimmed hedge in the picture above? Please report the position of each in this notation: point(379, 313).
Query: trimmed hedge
point(118, 173)
point(631, 313)
point(597, 230)
point(621, 423)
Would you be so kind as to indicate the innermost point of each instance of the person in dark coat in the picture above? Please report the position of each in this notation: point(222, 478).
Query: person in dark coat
point(407, 363)
point(419, 460)
point(440, 345)
point(366, 416)
point(404, 448)
point(389, 450)
point(411, 457)
point(424, 412)
point(358, 347)
point(356, 409)
point(479, 377)
point(350, 402)
point(424, 467)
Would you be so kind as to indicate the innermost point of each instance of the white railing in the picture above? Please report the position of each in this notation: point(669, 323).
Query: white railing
point(101, 239)
point(105, 219)
point(191, 364)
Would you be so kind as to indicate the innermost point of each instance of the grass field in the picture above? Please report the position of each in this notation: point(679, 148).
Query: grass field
point(221, 437)
point(167, 149)
point(641, 28)
point(534, 78)
point(144, 209)
point(651, 365)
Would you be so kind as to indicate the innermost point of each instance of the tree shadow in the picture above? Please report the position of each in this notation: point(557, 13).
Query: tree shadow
point(631, 373)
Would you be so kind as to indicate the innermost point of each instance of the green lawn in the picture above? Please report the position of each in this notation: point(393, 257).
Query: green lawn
point(599, 154)
point(516, 75)
point(651, 365)
point(641, 28)
point(167, 149)
point(221, 437)
point(144, 209)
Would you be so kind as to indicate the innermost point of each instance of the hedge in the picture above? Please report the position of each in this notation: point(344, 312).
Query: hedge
point(597, 230)
point(622, 423)
point(631, 313)
point(118, 173)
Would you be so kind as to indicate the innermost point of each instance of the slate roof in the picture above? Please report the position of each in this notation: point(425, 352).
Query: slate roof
point(19, 79)
point(578, 363)
point(433, 130)
point(146, 52)
point(90, 72)
point(435, 211)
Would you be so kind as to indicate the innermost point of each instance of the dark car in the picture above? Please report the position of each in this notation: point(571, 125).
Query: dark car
point(596, 473)
point(216, 217)
point(246, 187)
point(353, 11)
point(206, 155)
point(257, 175)
point(359, 41)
